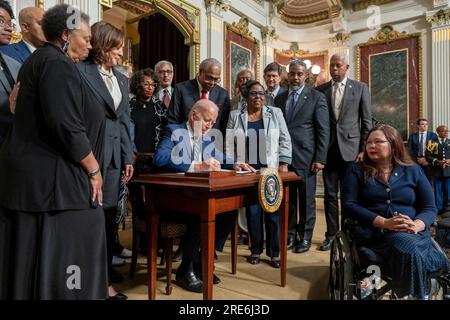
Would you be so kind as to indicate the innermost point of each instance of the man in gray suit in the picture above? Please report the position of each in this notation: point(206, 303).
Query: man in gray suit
point(306, 114)
point(350, 120)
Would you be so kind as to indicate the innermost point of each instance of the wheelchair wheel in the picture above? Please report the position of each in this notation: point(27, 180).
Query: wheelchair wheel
point(341, 269)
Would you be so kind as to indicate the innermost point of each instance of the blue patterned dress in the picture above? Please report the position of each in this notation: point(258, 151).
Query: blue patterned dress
point(408, 257)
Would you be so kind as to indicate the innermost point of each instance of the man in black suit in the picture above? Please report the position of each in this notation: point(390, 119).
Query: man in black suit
point(272, 78)
point(350, 119)
point(306, 114)
point(204, 86)
point(417, 145)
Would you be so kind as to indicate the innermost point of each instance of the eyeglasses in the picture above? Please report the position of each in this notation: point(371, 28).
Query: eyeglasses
point(165, 71)
point(376, 142)
point(4, 23)
point(256, 93)
point(210, 78)
point(153, 85)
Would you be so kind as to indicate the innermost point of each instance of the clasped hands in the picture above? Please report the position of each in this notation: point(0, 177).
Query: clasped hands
point(403, 223)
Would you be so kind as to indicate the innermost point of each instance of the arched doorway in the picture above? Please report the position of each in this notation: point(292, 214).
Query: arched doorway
point(160, 39)
point(159, 30)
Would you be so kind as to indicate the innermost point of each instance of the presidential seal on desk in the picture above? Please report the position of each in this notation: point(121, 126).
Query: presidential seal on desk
point(270, 190)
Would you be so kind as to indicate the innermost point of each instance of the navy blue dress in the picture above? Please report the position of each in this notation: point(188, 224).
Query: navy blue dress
point(408, 257)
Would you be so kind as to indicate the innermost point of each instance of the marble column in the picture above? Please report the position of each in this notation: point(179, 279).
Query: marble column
point(91, 7)
point(214, 28)
point(440, 21)
point(268, 36)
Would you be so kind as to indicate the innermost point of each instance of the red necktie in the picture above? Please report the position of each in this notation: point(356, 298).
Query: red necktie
point(166, 99)
point(204, 96)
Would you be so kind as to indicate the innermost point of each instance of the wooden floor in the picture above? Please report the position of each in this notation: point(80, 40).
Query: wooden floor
point(307, 274)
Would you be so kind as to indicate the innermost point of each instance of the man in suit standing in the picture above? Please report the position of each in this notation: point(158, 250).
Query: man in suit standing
point(437, 154)
point(350, 119)
point(9, 70)
point(306, 114)
point(193, 154)
point(242, 77)
point(204, 86)
point(417, 145)
point(32, 35)
point(272, 78)
point(164, 70)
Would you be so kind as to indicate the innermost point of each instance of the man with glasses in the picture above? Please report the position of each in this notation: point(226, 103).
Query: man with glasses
point(204, 86)
point(272, 78)
point(164, 70)
point(9, 69)
point(307, 119)
point(32, 35)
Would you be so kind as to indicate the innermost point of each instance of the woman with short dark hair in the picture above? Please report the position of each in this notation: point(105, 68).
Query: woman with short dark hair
point(392, 201)
point(52, 232)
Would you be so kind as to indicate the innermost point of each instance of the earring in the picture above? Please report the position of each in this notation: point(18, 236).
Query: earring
point(66, 46)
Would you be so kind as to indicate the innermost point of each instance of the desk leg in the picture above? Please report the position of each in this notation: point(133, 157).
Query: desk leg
point(152, 243)
point(284, 216)
point(234, 238)
point(207, 244)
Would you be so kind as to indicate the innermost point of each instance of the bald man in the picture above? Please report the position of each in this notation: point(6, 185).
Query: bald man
point(350, 120)
point(32, 35)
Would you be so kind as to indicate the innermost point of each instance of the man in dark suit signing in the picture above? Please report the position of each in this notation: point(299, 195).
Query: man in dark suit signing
point(306, 114)
point(32, 35)
point(204, 86)
point(350, 120)
point(185, 148)
point(417, 145)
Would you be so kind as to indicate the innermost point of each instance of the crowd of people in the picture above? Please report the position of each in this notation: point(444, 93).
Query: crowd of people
point(70, 135)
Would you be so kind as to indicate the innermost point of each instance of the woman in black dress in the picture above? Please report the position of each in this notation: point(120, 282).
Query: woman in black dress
point(148, 114)
point(52, 231)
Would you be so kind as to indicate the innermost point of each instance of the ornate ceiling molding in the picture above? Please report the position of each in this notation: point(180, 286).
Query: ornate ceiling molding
point(268, 33)
point(439, 18)
point(310, 18)
point(386, 34)
point(363, 5)
point(218, 5)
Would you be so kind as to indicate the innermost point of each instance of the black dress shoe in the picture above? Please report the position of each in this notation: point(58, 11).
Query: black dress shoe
point(302, 246)
point(118, 296)
point(290, 243)
point(275, 264)
point(216, 279)
point(326, 244)
point(190, 282)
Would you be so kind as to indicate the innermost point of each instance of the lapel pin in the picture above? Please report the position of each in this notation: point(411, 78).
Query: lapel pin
point(305, 97)
point(350, 86)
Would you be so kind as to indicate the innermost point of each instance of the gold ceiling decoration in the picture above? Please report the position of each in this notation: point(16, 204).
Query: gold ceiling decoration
point(340, 38)
point(310, 18)
point(242, 27)
point(363, 5)
point(386, 34)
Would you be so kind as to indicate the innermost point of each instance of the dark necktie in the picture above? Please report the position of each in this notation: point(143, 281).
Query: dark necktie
point(290, 110)
point(421, 145)
point(204, 96)
point(166, 99)
point(4, 68)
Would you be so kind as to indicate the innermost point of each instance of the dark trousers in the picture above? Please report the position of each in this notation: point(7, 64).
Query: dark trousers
point(306, 189)
point(256, 218)
point(190, 244)
point(333, 174)
point(111, 183)
point(441, 192)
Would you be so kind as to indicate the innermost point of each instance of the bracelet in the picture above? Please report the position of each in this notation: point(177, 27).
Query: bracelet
point(94, 173)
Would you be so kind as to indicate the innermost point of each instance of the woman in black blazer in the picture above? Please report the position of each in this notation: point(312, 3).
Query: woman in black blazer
point(111, 89)
point(52, 232)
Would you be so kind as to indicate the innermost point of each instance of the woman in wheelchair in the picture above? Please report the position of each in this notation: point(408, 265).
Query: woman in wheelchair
point(392, 202)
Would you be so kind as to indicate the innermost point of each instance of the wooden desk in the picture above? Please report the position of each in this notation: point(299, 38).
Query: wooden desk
point(206, 197)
